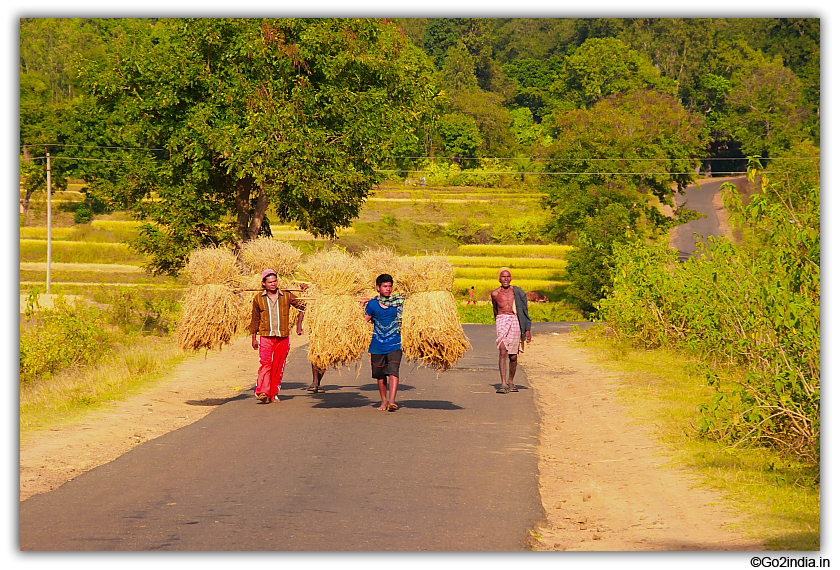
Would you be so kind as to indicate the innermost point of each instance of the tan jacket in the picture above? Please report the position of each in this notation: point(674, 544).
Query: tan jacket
point(259, 313)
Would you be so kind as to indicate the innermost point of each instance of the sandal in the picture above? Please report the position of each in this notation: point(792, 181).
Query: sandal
point(513, 388)
point(319, 390)
point(263, 398)
point(312, 388)
point(502, 389)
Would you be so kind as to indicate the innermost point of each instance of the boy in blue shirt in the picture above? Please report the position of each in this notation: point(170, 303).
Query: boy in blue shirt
point(385, 310)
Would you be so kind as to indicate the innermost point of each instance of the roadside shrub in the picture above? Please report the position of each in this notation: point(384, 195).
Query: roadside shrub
point(753, 308)
point(61, 337)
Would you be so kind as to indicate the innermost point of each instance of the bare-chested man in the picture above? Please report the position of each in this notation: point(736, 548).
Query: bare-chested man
point(513, 325)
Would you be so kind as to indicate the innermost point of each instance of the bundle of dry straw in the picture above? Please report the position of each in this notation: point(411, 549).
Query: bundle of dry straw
point(265, 252)
point(335, 319)
point(213, 266)
point(431, 330)
point(338, 332)
point(375, 262)
point(210, 317)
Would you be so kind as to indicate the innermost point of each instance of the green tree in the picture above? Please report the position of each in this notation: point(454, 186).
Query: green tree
point(766, 111)
point(602, 67)
point(460, 135)
point(614, 166)
point(251, 114)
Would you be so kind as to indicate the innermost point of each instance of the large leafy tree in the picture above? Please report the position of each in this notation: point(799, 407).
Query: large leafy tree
point(613, 167)
point(250, 116)
point(766, 108)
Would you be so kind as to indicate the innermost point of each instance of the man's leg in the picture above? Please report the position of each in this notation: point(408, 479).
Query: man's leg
point(383, 393)
point(317, 375)
point(395, 382)
point(278, 365)
point(503, 357)
point(514, 360)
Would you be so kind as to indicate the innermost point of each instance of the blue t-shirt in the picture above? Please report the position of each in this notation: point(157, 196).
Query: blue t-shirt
point(386, 328)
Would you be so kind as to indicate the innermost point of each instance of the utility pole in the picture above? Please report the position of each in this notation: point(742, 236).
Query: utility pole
point(49, 221)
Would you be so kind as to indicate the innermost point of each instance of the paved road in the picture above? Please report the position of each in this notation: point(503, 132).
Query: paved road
point(698, 198)
point(455, 469)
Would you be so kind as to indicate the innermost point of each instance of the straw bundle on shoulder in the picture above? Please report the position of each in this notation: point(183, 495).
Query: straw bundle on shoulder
point(431, 330)
point(375, 262)
point(210, 317)
point(213, 266)
point(335, 321)
point(334, 272)
point(265, 252)
point(426, 273)
point(338, 332)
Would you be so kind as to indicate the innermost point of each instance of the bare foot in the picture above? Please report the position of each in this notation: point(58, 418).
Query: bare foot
point(383, 407)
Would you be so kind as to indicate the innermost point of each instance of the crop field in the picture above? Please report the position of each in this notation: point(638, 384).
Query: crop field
point(515, 251)
point(412, 220)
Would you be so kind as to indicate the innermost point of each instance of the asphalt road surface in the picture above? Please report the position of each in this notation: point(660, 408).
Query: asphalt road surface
point(454, 469)
point(698, 198)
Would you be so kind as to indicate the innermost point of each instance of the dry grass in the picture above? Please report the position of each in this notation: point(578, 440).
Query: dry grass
point(338, 332)
point(426, 273)
point(211, 316)
point(264, 253)
point(375, 262)
point(431, 330)
point(334, 272)
point(213, 266)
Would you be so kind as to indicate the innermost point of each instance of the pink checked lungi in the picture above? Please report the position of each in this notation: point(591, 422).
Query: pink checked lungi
point(507, 333)
point(273, 353)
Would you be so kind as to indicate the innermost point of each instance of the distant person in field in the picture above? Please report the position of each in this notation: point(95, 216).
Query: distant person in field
point(270, 320)
point(317, 373)
point(513, 327)
point(472, 296)
point(385, 311)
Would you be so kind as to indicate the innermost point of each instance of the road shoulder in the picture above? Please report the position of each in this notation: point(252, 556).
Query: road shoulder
point(604, 478)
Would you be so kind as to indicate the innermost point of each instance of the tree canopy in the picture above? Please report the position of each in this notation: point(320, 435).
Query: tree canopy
point(254, 117)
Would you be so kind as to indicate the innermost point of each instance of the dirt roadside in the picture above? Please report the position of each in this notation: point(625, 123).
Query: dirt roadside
point(602, 479)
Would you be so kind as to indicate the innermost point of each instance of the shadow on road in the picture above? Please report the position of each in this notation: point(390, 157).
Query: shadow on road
point(216, 401)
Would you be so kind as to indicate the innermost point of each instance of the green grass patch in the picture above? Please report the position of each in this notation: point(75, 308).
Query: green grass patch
point(779, 495)
point(69, 395)
point(404, 236)
point(512, 262)
point(554, 290)
point(95, 277)
point(35, 250)
point(482, 313)
point(105, 232)
point(521, 274)
point(514, 251)
point(40, 233)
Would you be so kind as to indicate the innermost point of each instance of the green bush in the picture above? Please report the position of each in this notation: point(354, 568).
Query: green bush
point(83, 214)
point(60, 337)
point(755, 309)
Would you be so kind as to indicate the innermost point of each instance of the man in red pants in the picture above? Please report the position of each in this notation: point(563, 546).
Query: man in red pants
point(270, 319)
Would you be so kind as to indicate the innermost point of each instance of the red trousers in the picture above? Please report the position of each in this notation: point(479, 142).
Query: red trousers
point(273, 353)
